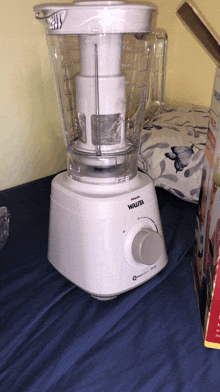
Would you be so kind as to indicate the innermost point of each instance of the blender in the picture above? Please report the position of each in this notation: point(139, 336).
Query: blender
point(105, 232)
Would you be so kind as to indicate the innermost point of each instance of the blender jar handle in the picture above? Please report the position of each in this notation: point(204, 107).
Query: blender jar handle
point(157, 42)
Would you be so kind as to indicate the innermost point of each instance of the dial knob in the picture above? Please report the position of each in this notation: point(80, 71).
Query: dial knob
point(147, 246)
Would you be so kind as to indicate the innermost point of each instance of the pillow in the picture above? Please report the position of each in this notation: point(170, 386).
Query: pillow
point(172, 150)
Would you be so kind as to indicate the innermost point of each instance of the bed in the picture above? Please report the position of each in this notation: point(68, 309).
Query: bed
point(57, 338)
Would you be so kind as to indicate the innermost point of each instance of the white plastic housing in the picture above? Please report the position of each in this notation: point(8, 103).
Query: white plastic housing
point(92, 230)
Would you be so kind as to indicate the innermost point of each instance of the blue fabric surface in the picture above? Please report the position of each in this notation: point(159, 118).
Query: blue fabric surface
point(57, 338)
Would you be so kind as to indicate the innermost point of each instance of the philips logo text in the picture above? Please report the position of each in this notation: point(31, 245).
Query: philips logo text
point(137, 204)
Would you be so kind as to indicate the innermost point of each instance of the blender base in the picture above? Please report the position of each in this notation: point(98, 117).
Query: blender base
point(104, 298)
point(106, 239)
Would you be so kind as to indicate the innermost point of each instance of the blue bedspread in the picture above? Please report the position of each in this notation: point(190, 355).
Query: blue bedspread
point(57, 338)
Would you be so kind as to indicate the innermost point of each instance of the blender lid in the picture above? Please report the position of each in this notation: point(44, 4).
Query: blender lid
point(95, 17)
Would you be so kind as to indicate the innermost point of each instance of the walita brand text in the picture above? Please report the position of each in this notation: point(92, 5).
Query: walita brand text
point(137, 204)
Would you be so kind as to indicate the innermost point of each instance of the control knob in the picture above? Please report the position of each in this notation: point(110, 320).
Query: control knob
point(147, 246)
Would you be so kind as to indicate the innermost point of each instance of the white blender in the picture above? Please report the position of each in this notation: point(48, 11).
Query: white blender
point(105, 232)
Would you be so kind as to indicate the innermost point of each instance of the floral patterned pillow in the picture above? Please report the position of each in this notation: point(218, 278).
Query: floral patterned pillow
point(172, 150)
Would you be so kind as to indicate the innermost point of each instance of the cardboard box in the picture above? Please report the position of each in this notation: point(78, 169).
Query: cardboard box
point(206, 260)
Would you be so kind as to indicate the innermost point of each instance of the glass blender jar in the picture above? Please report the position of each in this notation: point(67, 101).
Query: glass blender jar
point(102, 56)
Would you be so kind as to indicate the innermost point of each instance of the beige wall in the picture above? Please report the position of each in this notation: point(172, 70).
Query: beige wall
point(31, 144)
